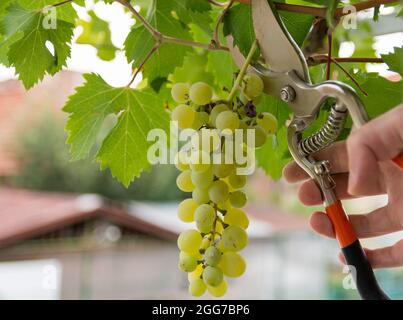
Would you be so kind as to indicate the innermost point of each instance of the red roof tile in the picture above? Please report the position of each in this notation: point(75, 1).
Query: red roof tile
point(26, 214)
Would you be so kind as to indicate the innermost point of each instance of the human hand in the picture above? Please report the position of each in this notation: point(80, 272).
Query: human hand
point(361, 166)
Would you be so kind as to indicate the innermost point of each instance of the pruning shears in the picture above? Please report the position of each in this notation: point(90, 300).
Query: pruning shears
point(284, 72)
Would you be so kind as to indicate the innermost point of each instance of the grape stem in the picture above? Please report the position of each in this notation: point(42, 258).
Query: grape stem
point(213, 232)
point(242, 72)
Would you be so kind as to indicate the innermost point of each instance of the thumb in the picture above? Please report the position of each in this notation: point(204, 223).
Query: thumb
point(379, 140)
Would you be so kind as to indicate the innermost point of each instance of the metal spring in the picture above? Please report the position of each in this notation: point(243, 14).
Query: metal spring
point(327, 134)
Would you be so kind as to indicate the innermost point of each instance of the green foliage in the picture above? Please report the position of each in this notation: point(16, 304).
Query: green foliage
point(26, 33)
point(96, 33)
point(124, 150)
point(394, 60)
point(121, 145)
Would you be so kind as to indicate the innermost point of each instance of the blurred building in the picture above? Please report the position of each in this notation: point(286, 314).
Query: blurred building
point(66, 246)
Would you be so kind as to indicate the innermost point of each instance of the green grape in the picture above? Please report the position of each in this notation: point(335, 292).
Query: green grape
point(236, 181)
point(184, 115)
point(253, 86)
point(227, 120)
point(189, 241)
point(236, 217)
point(180, 92)
point(186, 263)
point(181, 161)
point(223, 170)
point(200, 93)
point(212, 256)
point(234, 238)
point(204, 217)
point(200, 161)
point(225, 206)
point(216, 111)
point(197, 287)
point(201, 118)
point(218, 191)
point(218, 291)
point(196, 274)
point(205, 243)
point(243, 98)
point(200, 196)
point(202, 179)
point(186, 210)
point(184, 181)
point(268, 122)
point(237, 199)
point(232, 264)
point(218, 227)
point(206, 140)
point(221, 247)
point(212, 276)
point(260, 136)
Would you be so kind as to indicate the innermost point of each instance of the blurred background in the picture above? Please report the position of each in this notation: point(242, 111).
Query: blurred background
point(69, 231)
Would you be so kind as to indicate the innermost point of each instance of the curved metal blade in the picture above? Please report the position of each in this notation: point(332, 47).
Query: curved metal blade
point(278, 48)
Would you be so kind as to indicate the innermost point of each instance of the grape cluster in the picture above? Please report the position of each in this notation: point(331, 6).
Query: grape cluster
point(211, 251)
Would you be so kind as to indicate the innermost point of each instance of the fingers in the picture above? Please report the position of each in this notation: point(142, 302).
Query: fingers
point(336, 154)
point(379, 140)
point(374, 224)
point(388, 257)
point(321, 224)
point(310, 194)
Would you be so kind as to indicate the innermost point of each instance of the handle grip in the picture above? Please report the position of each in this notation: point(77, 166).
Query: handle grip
point(355, 256)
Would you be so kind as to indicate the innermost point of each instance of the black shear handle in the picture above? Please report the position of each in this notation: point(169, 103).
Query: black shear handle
point(355, 256)
point(366, 282)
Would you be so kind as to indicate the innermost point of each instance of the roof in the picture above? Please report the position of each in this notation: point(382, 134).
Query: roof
point(265, 220)
point(26, 214)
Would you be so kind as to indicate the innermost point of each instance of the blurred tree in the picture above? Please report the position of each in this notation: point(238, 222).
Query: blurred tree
point(43, 159)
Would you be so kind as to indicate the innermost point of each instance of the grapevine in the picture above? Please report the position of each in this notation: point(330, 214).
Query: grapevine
point(189, 77)
point(210, 252)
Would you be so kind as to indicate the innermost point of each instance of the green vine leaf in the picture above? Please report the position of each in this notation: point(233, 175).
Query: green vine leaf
point(394, 60)
point(65, 12)
point(238, 23)
point(96, 33)
point(124, 150)
point(26, 38)
point(274, 155)
point(139, 42)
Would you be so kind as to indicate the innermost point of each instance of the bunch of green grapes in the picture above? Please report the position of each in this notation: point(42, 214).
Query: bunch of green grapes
point(210, 252)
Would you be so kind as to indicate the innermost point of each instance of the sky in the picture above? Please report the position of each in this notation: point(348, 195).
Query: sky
point(118, 72)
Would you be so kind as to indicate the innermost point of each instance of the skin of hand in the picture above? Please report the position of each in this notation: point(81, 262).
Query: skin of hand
point(361, 166)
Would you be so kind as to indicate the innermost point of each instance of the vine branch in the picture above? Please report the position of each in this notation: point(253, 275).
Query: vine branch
point(329, 55)
point(321, 11)
point(161, 38)
point(140, 67)
point(350, 76)
point(323, 58)
point(60, 3)
point(218, 4)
